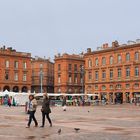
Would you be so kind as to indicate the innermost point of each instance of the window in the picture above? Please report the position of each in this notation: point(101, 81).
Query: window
point(119, 58)
point(59, 90)
point(41, 66)
point(127, 86)
point(70, 78)
point(96, 87)
point(6, 75)
point(16, 76)
point(136, 85)
point(111, 87)
point(89, 75)
point(75, 78)
point(136, 56)
point(70, 67)
point(103, 61)
point(69, 90)
point(127, 72)
point(96, 75)
point(89, 63)
point(7, 63)
point(111, 74)
point(24, 77)
point(103, 74)
point(119, 73)
point(111, 60)
point(81, 78)
point(136, 71)
point(127, 57)
point(75, 67)
point(16, 64)
point(59, 67)
point(96, 62)
point(24, 65)
point(59, 79)
point(75, 90)
point(118, 86)
point(103, 87)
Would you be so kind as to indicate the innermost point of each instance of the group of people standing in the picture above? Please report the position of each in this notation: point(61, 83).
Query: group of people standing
point(45, 110)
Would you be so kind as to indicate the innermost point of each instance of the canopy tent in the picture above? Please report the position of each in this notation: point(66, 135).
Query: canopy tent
point(18, 98)
point(64, 94)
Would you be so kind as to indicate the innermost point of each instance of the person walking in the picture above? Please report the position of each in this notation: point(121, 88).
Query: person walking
point(9, 101)
point(32, 111)
point(64, 103)
point(46, 110)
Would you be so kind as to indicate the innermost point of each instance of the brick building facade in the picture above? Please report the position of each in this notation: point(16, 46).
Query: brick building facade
point(68, 72)
point(15, 70)
point(113, 72)
point(42, 69)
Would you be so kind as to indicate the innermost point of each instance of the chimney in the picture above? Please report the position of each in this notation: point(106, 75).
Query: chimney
point(88, 50)
point(9, 48)
point(106, 45)
point(4, 47)
point(115, 44)
point(103, 46)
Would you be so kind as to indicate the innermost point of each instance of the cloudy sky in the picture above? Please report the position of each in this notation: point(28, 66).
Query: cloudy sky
point(48, 27)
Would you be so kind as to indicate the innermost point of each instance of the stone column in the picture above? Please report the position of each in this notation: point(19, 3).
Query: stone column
point(124, 97)
point(108, 99)
point(131, 96)
point(113, 97)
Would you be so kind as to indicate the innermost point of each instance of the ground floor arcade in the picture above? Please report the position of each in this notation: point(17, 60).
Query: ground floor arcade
point(15, 88)
point(117, 97)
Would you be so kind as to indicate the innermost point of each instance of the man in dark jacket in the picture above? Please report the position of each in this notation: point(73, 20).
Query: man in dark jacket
point(64, 102)
point(46, 110)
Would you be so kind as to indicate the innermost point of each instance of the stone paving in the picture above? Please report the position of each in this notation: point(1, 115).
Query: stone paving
point(112, 122)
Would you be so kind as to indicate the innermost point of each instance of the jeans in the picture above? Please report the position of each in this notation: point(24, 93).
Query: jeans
point(43, 118)
point(32, 117)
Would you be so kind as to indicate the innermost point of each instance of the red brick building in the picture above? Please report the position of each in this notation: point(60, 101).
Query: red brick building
point(113, 72)
point(68, 72)
point(15, 70)
point(42, 72)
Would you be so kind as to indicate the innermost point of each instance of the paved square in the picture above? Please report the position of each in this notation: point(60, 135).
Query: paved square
point(116, 122)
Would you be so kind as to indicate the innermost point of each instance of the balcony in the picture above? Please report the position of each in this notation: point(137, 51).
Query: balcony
point(70, 83)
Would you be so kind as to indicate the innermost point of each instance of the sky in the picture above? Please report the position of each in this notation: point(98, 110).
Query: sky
point(49, 27)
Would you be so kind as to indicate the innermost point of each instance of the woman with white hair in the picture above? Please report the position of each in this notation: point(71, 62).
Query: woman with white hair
point(46, 110)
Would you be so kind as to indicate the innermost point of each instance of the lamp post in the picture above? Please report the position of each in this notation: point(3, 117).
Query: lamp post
point(41, 78)
point(82, 77)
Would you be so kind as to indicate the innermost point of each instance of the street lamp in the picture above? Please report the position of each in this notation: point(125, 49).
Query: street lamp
point(41, 78)
point(82, 77)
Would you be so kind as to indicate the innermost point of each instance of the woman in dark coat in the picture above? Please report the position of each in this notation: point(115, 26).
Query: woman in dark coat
point(64, 103)
point(46, 110)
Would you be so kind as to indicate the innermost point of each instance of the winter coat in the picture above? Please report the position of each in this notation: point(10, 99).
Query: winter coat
point(32, 105)
point(64, 102)
point(46, 106)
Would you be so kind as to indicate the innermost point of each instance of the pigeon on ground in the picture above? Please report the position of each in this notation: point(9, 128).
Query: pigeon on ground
point(59, 131)
point(76, 129)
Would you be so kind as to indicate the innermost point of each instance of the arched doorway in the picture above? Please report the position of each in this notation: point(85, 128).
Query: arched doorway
point(118, 97)
point(6, 88)
point(15, 89)
point(24, 89)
